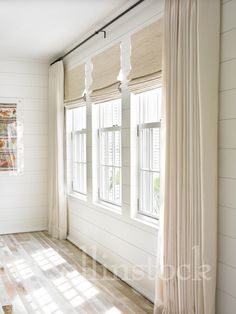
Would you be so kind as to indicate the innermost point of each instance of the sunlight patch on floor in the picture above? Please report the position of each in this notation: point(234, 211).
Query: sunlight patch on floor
point(20, 270)
point(47, 259)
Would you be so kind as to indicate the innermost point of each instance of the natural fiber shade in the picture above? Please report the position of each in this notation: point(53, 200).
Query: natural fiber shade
point(145, 83)
point(146, 57)
point(106, 68)
point(74, 83)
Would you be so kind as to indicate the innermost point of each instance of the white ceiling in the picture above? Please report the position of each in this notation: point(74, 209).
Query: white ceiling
point(44, 29)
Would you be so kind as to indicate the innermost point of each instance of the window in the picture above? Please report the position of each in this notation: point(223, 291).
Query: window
point(76, 136)
point(149, 117)
point(109, 145)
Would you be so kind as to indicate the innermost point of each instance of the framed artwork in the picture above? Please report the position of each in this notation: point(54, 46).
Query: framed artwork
point(10, 148)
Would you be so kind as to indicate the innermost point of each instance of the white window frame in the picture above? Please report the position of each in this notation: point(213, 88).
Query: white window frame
point(101, 130)
point(152, 125)
point(73, 135)
point(143, 214)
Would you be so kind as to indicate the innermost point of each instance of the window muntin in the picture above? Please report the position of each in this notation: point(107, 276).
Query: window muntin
point(76, 122)
point(110, 152)
point(149, 152)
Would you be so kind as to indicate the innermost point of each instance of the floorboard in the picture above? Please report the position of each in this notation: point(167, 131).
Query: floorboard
point(39, 274)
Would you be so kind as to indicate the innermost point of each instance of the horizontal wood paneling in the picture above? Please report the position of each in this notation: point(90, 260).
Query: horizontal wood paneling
point(227, 108)
point(28, 80)
point(227, 195)
point(24, 225)
point(24, 91)
point(19, 201)
point(31, 117)
point(228, 71)
point(226, 250)
point(23, 213)
point(29, 176)
point(23, 205)
point(226, 130)
point(228, 21)
point(106, 227)
point(225, 303)
point(226, 280)
point(227, 218)
point(112, 261)
point(38, 105)
point(23, 67)
point(228, 41)
point(35, 140)
point(227, 165)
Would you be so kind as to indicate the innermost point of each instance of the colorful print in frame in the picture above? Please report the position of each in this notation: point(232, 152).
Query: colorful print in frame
point(8, 137)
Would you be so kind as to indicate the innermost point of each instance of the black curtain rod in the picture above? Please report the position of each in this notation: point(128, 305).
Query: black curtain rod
point(100, 30)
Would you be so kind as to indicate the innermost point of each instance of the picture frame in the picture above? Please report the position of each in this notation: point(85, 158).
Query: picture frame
point(11, 136)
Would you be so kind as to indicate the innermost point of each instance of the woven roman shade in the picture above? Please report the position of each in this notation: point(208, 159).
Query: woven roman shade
point(146, 58)
point(106, 68)
point(74, 84)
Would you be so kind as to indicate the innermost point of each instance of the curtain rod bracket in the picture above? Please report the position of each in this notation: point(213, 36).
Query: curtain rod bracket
point(104, 34)
point(101, 31)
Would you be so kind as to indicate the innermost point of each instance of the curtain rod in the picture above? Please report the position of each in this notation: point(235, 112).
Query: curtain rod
point(100, 30)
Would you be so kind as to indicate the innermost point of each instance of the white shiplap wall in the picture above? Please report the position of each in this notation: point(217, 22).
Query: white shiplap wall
point(226, 283)
point(23, 198)
point(116, 240)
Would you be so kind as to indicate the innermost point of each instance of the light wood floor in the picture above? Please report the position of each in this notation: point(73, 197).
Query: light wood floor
point(39, 274)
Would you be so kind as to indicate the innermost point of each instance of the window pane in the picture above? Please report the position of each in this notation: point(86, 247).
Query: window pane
point(79, 178)
point(110, 113)
point(156, 194)
point(106, 183)
point(150, 193)
point(155, 149)
point(106, 148)
point(69, 123)
point(145, 148)
point(149, 114)
point(79, 118)
point(110, 151)
point(117, 191)
point(117, 148)
point(110, 184)
point(76, 140)
point(80, 147)
point(150, 106)
point(145, 191)
point(110, 172)
point(110, 148)
point(69, 145)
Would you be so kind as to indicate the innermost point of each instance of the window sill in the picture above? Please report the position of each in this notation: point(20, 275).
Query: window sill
point(148, 221)
point(109, 207)
point(78, 196)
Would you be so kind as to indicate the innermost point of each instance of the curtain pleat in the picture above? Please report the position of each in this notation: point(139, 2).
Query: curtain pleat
point(57, 194)
point(188, 234)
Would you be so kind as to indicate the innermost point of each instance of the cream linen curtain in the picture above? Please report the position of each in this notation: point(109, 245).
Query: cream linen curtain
point(57, 196)
point(188, 235)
